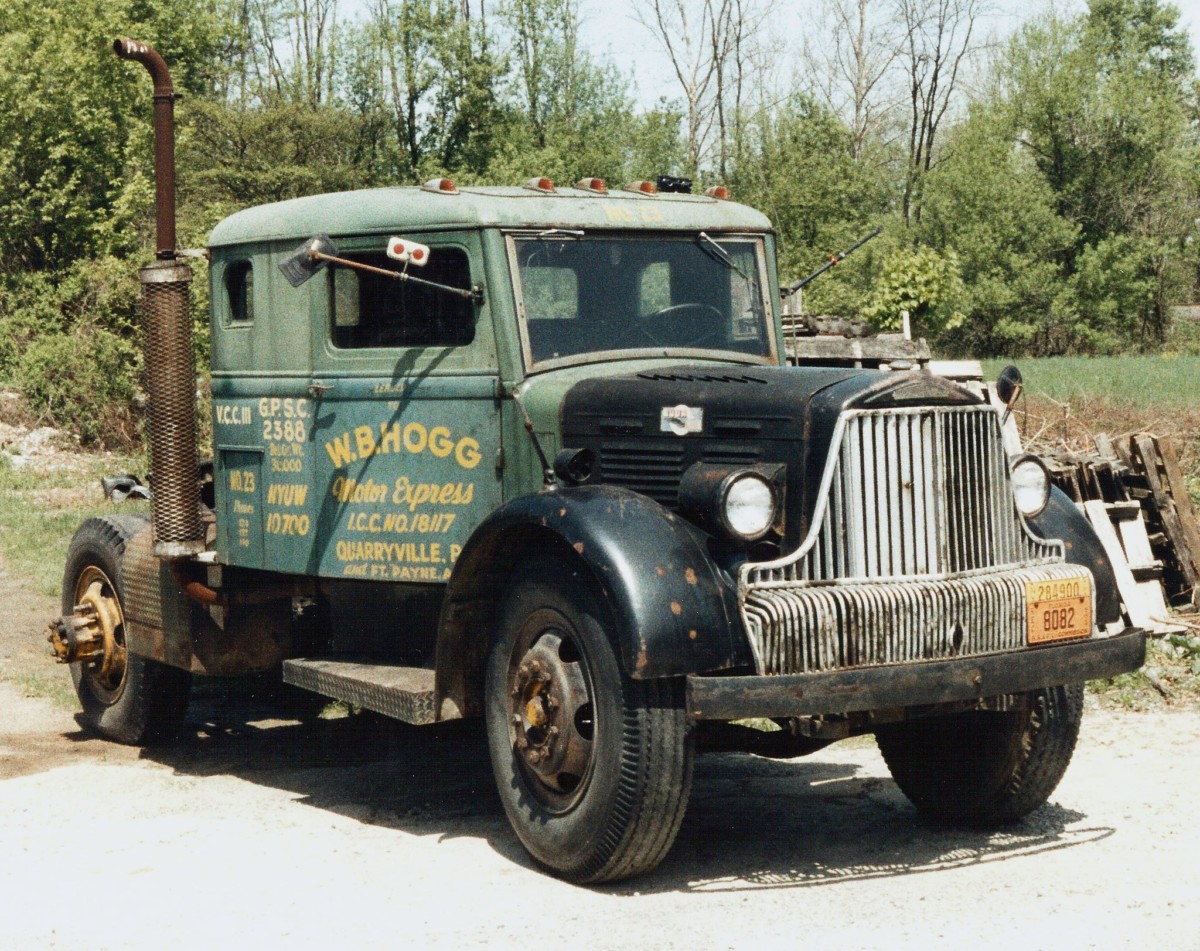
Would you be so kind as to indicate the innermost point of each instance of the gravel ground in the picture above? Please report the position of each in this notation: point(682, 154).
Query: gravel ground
point(254, 831)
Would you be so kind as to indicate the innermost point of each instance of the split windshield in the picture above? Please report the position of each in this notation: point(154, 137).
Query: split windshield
point(584, 294)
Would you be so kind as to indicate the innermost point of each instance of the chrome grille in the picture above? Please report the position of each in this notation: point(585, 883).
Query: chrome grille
point(916, 550)
point(912, 492)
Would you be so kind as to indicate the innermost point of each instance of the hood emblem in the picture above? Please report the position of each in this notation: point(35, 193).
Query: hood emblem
point(682, 419)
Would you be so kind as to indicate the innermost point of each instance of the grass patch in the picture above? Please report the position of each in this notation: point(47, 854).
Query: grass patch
point(41, 507)
point(51, 682)
point(1150, 384)
point(1167, 665)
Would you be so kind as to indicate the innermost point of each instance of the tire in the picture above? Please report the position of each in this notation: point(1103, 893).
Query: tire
point(985, 768)
point(139, 701)
point(603, 798)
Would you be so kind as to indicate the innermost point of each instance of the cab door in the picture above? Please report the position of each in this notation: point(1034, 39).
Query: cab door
point(262, 365)
point(403, 425)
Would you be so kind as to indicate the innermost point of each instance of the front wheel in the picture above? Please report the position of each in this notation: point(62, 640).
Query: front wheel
point(593, 768)
point(125, 697)
point(985, 768)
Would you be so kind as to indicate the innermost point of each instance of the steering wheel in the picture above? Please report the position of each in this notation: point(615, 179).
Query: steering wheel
point(704, 316)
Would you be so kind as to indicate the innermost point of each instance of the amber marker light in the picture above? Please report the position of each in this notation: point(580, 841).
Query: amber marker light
point(442, 186)
point(596, 185)
point(642, 188)
point(540, 184)
point(719, 192)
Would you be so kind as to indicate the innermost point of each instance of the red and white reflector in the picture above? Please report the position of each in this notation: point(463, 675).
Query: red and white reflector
point(408, 252)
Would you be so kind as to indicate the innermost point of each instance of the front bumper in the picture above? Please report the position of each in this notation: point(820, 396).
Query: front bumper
point(914, 684)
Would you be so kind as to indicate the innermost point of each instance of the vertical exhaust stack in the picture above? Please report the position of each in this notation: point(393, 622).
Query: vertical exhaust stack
point(170, 362)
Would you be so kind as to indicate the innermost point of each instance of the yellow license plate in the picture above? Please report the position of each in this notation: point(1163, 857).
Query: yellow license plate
point(1058, 610)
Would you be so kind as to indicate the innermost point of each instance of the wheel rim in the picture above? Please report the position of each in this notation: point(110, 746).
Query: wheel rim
point(551, 713)
point(97, 595)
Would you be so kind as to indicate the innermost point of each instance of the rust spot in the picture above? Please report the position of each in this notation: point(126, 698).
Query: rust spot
point(690, 574)
point(661, 571)
point(692, 634)
point(578, 546)
point(676, 608)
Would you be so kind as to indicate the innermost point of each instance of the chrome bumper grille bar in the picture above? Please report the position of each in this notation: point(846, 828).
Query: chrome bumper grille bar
point(915, 550)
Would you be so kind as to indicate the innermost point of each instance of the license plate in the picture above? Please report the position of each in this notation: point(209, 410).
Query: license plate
point(1058, 610)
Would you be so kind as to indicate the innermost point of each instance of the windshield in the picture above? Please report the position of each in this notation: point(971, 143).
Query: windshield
point(585, 294)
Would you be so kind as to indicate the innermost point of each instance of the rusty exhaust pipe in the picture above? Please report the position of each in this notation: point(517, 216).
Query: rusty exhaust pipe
point(170, 361)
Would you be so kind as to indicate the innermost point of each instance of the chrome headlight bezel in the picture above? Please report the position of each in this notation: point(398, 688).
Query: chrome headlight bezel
point(1028, 474)
point(735, 503)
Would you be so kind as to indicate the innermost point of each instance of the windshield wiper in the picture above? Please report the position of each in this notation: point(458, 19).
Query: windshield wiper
point(715, 250)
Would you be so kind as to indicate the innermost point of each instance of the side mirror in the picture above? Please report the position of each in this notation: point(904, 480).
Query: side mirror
point(306, 260)
point(1008, 387)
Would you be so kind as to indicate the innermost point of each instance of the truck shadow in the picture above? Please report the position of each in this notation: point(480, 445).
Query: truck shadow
point(751, 823)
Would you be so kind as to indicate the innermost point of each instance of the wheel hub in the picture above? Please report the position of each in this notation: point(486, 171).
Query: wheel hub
point(551, 713)
point(94, 634)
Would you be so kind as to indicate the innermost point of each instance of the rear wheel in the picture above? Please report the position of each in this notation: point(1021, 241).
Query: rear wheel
point(593, 768)
point(125, 697)
point(985, 768)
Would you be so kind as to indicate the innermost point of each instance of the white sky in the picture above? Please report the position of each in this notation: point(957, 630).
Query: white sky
point(610, 27)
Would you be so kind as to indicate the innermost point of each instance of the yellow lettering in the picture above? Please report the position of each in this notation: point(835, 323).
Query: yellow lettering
point(339, 451)
point(467, 453)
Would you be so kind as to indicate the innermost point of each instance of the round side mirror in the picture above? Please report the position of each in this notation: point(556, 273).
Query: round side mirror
point(1008, 385)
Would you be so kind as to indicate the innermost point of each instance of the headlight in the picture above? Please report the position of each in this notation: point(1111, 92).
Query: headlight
point(1031, 485)
point(740, 502)
point(748, 506)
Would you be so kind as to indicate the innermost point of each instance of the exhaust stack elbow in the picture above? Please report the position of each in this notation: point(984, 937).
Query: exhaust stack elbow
point(164, 138)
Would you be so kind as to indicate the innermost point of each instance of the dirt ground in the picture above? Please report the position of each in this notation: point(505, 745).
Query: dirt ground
point(255, 831)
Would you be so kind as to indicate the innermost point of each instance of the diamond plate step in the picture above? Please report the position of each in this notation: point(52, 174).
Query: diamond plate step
point(405, 693)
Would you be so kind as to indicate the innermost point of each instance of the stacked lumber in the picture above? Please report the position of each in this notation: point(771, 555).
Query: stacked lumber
point(1133, 492)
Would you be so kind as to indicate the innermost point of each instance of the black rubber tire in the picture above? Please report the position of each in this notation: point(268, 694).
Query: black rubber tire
point(150, 701)
point(628, 808)
point(985, 768)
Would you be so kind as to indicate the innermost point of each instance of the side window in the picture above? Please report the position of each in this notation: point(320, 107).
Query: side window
point(239, 291)
point(654, 288)
point(372, 310)
point(550, 292)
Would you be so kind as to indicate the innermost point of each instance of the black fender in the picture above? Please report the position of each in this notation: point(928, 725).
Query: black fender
point(673, 611)
point(1061, 519)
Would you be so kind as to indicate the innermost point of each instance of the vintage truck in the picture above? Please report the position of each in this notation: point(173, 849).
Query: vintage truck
point(534, 454)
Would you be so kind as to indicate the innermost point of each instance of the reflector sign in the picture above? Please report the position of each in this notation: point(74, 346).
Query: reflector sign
point(410, 252)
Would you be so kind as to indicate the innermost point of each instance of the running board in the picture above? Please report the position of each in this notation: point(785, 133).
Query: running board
point(404, 693)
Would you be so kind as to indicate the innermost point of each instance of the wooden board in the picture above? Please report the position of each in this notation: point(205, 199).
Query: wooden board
point(1144, 602)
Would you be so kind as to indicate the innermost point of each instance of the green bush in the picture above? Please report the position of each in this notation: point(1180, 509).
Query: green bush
point(83, 382)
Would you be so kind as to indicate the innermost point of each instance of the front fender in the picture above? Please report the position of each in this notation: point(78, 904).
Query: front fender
point(673, 612)
point(1062, 519)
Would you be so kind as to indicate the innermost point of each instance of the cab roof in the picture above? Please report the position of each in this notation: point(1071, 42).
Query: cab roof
point(388, 210)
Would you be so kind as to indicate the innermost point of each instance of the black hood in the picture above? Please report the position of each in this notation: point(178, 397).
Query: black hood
point(738, 416)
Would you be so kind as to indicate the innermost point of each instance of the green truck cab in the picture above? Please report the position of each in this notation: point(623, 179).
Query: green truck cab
point(534, 454)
